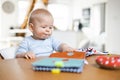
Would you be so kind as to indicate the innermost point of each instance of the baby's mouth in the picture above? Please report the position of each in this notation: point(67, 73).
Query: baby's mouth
point(47, 35)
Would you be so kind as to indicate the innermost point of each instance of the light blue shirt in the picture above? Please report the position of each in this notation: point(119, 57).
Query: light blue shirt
point(39, 47)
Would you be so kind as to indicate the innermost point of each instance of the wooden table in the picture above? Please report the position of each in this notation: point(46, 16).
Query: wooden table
point(21, 69)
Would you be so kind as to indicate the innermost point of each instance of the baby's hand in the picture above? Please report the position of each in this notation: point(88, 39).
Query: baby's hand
point(65, 48)
point(29, 55)
point(69, 49)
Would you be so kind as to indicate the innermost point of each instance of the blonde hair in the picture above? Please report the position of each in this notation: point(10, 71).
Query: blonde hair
point(39, 13)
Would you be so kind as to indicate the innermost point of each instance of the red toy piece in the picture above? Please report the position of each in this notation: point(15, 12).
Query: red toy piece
point(110, 62)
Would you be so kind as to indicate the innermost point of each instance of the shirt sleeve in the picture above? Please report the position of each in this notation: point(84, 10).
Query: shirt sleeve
point(56, 44)
point(23, 47)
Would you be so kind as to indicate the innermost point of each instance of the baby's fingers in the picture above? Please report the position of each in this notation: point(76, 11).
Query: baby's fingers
point(70, 49)
point(27, 57)
point(30, 56)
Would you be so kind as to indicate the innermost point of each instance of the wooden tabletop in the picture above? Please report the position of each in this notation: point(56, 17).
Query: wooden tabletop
point(21, 69)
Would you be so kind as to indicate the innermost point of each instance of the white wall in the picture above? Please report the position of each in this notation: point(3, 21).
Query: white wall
point(113, 26)
point(70, 37)
point(0, 16)
point(97, 18)
point(7, 19)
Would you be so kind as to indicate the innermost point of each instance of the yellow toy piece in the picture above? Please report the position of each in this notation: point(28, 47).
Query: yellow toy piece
point(55, 71)
point(109, 54)
point(59, 63)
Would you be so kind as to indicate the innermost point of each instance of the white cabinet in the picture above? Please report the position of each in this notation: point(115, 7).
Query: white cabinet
point(12, 39)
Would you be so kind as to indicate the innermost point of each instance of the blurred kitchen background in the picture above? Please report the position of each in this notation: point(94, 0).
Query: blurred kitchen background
point(99, 22)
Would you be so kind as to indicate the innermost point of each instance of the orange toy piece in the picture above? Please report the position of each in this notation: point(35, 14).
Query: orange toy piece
point(74, 54)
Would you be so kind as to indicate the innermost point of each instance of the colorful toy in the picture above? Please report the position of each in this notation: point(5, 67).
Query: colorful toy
point(88, 51)
point(110, 62)
point(55, 71)
point(91, 51)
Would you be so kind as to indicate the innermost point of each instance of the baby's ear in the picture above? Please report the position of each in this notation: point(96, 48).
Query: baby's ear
point(30, 26)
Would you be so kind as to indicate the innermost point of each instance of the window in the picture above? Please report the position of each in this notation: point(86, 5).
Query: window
point(61, 15)
point(22, 9)
point(86, 17)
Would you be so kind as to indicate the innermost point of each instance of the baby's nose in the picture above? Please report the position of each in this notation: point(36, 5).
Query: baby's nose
point(48, 29)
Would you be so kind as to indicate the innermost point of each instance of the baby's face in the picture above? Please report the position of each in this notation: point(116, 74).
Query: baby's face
point(42, 28)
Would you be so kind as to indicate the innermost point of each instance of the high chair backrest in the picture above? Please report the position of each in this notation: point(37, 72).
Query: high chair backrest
point(8, 53)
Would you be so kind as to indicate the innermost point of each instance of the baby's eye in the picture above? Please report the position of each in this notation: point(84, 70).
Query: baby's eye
point(43, 27)
point(51, 27)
